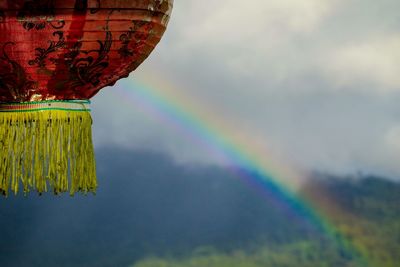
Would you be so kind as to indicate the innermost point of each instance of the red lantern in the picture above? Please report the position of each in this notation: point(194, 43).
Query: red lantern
point(54, 56)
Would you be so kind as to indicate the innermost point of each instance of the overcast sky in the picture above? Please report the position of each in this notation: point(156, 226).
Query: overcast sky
point(315, 81)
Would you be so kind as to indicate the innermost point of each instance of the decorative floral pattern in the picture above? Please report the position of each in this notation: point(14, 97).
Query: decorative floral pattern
point(133, 40)
point(88, 70)
point(13, 79)
point(66, 49)
point(42, 54)
point(36, 14)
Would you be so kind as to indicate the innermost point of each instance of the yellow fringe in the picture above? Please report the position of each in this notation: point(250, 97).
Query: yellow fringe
point(47, 149)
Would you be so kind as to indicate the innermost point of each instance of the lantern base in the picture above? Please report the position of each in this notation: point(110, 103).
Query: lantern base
point(46, 146)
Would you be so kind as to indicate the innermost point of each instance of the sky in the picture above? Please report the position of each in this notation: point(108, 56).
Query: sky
point(315, 83)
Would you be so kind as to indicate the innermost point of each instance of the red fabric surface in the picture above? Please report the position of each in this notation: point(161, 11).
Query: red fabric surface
point(70, 49)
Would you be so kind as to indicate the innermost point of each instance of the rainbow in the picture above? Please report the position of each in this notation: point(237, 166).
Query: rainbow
point(240, 154)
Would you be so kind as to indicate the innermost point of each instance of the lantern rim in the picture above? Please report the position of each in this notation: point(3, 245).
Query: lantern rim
point(62, 105)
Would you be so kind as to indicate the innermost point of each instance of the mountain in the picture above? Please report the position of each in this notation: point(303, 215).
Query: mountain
point(149, 207)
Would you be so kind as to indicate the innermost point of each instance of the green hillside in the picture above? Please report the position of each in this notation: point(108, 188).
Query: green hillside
point(174, 215)
point(369, 218)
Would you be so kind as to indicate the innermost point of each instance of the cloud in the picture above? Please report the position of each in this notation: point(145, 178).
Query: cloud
point(315, 82)
point(393, 139)
point(246, 38)
point(238, 22)
point(371, 64)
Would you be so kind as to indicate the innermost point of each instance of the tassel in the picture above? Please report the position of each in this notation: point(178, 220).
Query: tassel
point(46, 145)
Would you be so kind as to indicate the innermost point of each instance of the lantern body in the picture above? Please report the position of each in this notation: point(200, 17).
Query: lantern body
point(70, 49)
point(54, 56)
